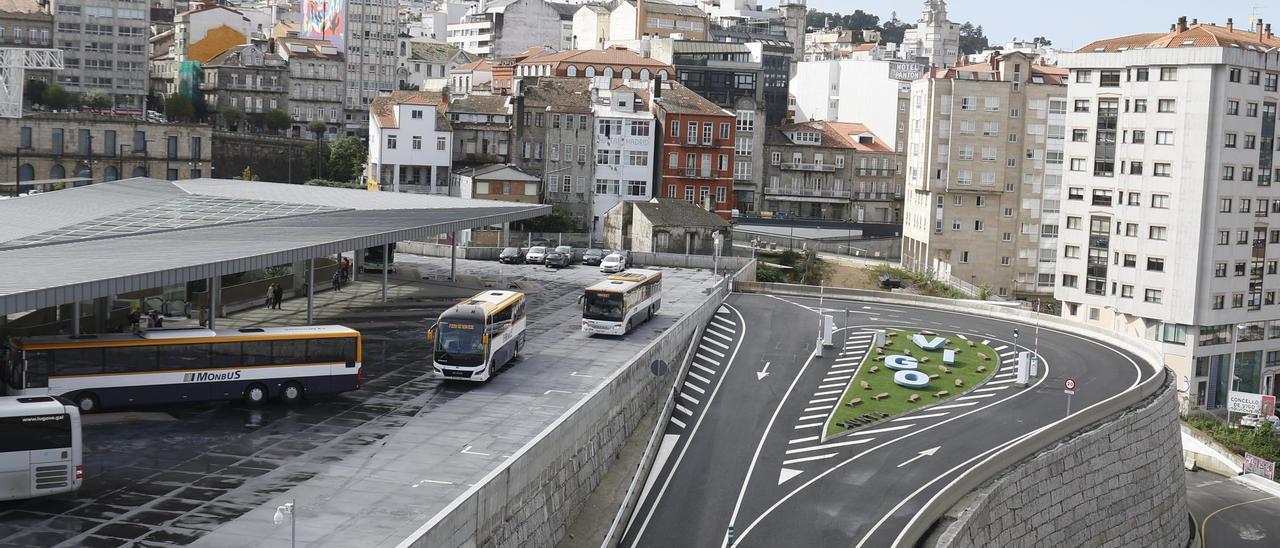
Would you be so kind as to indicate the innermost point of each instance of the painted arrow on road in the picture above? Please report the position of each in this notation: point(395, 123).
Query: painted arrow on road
point(787, 474)
point(925, 453)
point(761, 374)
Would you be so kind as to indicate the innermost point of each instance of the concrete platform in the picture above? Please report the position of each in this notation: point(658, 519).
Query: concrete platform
point(380, 494)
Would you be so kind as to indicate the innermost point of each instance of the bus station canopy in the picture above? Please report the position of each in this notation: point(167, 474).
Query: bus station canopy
point(109, 238)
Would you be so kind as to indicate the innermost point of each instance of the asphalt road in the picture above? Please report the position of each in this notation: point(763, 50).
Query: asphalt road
point(754, 460)
point(1230, 513)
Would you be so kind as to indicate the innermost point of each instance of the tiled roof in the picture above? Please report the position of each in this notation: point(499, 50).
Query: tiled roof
point(1201, 35)
point(312, 49)
point(479, 64)
point(834, 135)
point(615, 55)
point(565, 10)
point(662, 6)
point(383, 108)
point(482, 104)
point(33, 7)
point(432, 52)
point(672, 212)
point(682, 100)
point(557, 94)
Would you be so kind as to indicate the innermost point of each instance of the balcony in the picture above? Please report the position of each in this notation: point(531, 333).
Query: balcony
point(800, 166)
point(694, 173)
point(875, 172)
point(801, 191)
point(886, 196)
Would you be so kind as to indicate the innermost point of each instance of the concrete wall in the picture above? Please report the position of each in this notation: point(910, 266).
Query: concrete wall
point(530, 499)
point(889, 248)
point(1117, 484)
point(268, 157)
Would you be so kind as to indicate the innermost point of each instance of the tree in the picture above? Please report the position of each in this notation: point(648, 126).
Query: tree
point(178, 108)
point(1042, 42)
point(972, 39)
point(34, 92)
point(97, 99)
point(233, 117)
point(346, 158)
point(55, 97)
point(277, 120)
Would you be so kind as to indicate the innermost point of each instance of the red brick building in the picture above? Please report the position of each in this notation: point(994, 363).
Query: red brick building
point(696, 149)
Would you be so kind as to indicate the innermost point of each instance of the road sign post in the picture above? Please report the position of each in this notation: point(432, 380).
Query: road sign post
point(1069, 389)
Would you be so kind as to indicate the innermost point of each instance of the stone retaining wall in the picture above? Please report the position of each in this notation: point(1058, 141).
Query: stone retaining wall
point(1119, 483)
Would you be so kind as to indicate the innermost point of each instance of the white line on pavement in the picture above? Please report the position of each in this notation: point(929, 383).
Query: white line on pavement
point(807, 459)
point(1009, 368)
point(828, 446)
point(953, 406)
point(677, 422)
point(810, 425)
point(704, 368)
point(715, 342)
point(711, 361)
point(695, 387)
point(821, 400)
point(719, 334)
point(1003, 381)
point(841, 370)
point(975, 397)
point(688, 397)
point(1001, 347)
point(841, 378)
point(879, 430)
point(818, 408)
point(849, 358)
point(683, 409)
point(728, 325)
point(827, 393)
point(804, 440)
point(832, 385)
point(1004, 375)
point(1006, 355)
point(985, 341)
point(914, 417)
point(699, 377)
point(961, 335)
point(992, 389)
point(811, 417)
point(704, 347)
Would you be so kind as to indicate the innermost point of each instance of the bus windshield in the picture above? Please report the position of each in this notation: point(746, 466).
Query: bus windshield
point(459, 342)
point(602, 306)
point(37, 432)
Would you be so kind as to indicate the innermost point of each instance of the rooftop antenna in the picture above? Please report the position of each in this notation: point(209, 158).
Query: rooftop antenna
point(1253, 17)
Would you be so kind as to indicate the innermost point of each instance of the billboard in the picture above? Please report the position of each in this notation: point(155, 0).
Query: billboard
point(906, 71)
point(325, 20)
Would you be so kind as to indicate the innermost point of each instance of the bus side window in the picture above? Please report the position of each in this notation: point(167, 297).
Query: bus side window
point(349, 351)
point(518, 310)
point(256, 353)
point(502, 320)
point(39, 363)
point(328, 350)
point(289, 352)
point(127, 359)
point(183, 356)
point(79, 361)
point(224, 355)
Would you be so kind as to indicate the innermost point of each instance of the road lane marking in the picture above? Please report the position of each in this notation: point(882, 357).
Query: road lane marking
point(695, 387)
point(715, 342)
point(786, 474)
point(992, 389)
point(1005, 375)
point(709, 360)
point(467, 451)
point(828, 446)
point(804, 440)
point(1008, 368)
point(954, 406)
point(1002, 381)
point(840, 378)
point(704, 368)
point(722, 310)
point(1006, 355)
point(810, 425)
point(699, 377)
point(914, 417)
point(961, 335)
point(975, 397)
point(713, 351)
point(688, 397)
point(985, 341)
point(811, 417)
point(832, 385)
point(841, 370)
point(683, 409)
point(879, 430)
point(821, 400)
point(828, 393)
point(807, 459)
point(817, 408)
point(721, 335)
point(728, 325)
point(677, 422)
point(999, 348)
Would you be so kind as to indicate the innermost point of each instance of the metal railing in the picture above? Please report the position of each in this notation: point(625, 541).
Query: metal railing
point(801, 166)
point(692, 172)
point(801, 191)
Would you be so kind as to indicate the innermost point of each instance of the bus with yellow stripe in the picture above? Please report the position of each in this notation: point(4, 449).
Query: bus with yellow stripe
point(473, 339)
point(164, 366)
point(621, 302)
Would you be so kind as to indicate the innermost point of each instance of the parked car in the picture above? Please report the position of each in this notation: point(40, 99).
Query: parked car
point(890, 282)
point(557, 259)
point(536, 255)
point(592, 257)
point(613, 262)
point(511, 255)
point(567, 250)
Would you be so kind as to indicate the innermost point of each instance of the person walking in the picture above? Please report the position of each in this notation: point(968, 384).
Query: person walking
point(277, 296)
point(337, 280)
point(271, 296)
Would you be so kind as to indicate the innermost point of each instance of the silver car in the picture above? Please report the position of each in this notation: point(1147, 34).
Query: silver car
point(536, 255)
point(613, 262)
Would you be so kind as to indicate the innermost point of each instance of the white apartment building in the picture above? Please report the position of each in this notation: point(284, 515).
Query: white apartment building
point(1172, 219)
point(984, 175)
point(935, 39)
point(104, 44)
point(501, 28)
point(625, 134)
point(372, 30)
point(410, 143)
point(873, 92)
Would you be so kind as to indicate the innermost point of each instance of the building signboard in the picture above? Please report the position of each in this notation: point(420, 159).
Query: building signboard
point(1254, 464)
point(906, 71)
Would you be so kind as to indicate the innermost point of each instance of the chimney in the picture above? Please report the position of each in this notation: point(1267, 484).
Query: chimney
point(1195, 22)
point(1269, 30)
point(1230, 25)
point(1259, 29)
point(1182, 24)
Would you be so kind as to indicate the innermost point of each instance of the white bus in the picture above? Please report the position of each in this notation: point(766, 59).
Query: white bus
point(616, 305)
point(476, 337)
point(185, 365)
point(39, 447)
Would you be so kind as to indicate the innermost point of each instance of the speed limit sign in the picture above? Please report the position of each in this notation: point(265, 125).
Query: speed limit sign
point(1070, 385)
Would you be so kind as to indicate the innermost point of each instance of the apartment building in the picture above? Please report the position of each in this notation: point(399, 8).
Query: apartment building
point(316, 84)
point(410, 143)
point(624, 146)
point(595, 26)
point(935, 39)
point(832, 171)
point(873, 91)
point(613, 61)
point(697, 139)
point(247, 79)
point(983, 180)
point(27, 24)
point(105, 49)
point(481, 129)
point(105, 148)
point(1172, 216)
point(370, 48)
point(501, 28)
point(556, 140)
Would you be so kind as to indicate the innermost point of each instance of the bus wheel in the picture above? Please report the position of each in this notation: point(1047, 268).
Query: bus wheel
point(255, 395)
point(291, 392)
point(630, 324)
point(87, 402)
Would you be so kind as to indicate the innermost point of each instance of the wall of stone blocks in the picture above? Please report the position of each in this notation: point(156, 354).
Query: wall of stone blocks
point(529, 502)
point(1119, 483)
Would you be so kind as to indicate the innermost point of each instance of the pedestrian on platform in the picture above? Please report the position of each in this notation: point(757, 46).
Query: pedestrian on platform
point(337, 280)
point(277, 296)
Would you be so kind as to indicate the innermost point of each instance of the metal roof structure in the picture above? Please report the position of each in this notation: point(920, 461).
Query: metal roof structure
point(109, 238)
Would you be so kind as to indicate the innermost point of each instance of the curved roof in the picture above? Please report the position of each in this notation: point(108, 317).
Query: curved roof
point(110, 238)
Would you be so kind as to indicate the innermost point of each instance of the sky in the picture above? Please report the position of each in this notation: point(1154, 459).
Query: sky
point(1086, 21)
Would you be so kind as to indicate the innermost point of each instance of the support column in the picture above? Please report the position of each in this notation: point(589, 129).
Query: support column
point(385, 249)
point(311, 290)
point(506, 234)
point(75, 318)
point(101, 311)
point(215, 296)
point(453, 256)
point(395, 178)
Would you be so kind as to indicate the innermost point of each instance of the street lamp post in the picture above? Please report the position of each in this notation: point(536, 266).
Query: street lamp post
point(288, 508)
point(1231, 371)
point(120, 161)
point(17, 170)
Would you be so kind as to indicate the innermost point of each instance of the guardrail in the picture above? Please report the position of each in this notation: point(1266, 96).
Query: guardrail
point(1000, 461)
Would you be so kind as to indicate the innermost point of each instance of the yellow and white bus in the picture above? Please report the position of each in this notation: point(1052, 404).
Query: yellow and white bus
point(476, 337)
point(163, 366)
point(623, 300)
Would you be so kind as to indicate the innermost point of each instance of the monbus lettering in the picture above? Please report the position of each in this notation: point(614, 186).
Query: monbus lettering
point(207, 376)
